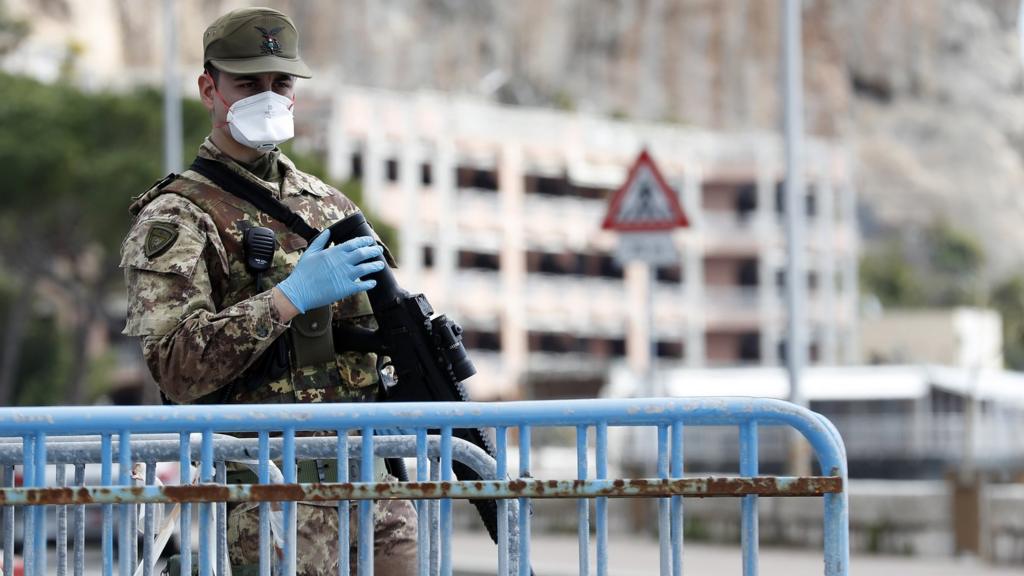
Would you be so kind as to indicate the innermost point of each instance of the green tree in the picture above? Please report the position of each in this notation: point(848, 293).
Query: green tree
point(884, 273)
point(942, 270)
point(1008, 299)
point(74, 161)
point(955, 263)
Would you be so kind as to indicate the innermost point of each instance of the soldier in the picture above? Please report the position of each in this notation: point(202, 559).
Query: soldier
point(211, 330)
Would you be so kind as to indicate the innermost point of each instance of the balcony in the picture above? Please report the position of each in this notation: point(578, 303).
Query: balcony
point(576, 303)
point(562, 221)
point(738, 306)
point(730, 232)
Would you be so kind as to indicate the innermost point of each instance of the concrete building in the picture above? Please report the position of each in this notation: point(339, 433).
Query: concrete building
point(962, 337)
point(499, 212)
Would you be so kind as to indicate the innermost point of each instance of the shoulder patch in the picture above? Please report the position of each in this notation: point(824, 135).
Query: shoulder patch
point(161, 236)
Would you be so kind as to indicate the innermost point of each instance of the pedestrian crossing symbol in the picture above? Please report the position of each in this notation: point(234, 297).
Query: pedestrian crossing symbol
point(645, 203)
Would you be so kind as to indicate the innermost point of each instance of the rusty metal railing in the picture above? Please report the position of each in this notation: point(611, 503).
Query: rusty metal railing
point(43, 436)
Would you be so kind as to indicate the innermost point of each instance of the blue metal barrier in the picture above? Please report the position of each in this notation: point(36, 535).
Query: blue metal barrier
point(39, 428)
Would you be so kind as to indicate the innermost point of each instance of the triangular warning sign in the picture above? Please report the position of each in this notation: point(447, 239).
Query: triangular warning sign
point(645, 202)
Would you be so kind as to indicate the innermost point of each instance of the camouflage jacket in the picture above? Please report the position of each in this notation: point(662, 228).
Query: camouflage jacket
point(202, 320)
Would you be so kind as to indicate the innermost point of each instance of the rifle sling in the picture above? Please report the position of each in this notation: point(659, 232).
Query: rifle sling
point(251, 192)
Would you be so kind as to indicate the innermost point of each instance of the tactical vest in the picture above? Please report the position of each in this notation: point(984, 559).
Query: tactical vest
point(276, 377)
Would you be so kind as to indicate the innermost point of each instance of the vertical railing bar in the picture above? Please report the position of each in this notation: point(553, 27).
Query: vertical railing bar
point(435, 523)
point(7, 522)
point(501, 449)
point(124, 479)
point(79, 524)
point(205, 477)
point(446, 503)
point(289, 507)
point(40, 511)
point(583, 504)
point(133, 531)
point(106, 474)
point(748, 513)
point(366, 475)
point(62, 525)
point(263, 472)
point(664, 522)
point(344, 508)
point(423, 543)
point(221, 478)
point(524, 503)
point(149, 523)
point(27, 515)
point(185, 520)
point(836, 545)
point(677, 501)
point(601, 504)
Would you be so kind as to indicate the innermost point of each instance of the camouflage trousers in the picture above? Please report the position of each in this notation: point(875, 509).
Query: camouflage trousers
point(394, 538)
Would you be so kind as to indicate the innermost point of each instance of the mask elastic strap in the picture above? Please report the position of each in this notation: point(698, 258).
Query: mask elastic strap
point(221, 96)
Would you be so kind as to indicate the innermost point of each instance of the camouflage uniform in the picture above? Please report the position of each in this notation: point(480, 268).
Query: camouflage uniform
point(203, 323)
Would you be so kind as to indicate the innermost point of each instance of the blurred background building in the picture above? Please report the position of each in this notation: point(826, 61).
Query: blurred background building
point(499, 210)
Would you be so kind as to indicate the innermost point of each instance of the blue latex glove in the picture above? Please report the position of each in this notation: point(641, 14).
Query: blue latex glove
point(322, 277)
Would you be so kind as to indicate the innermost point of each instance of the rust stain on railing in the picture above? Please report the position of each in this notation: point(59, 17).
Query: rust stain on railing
point(490, 489)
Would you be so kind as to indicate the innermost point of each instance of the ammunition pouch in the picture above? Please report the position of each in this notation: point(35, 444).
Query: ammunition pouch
point(312, 337)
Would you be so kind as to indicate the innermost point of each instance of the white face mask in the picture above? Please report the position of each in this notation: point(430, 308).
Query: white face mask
point(262, 121)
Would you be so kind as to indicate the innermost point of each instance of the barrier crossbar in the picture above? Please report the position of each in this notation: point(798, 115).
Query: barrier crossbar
point(33, 438)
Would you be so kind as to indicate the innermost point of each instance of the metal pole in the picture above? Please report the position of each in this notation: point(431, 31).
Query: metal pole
point(652, 388)
point(796, 337)
point(172, 92)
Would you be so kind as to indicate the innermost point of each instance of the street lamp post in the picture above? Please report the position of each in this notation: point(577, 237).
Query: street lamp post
point(796, 328)
point(172, 91)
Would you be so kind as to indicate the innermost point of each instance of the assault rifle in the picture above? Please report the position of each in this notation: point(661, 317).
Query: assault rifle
point(426, 351)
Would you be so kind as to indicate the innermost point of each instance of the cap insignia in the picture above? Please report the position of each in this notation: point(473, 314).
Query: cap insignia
point(270, 45)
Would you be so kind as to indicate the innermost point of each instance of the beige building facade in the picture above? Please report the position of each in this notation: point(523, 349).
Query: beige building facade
point(500, 208)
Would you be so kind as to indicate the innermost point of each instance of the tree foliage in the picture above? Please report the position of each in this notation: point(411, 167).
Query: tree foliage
point(944, 270)
point(885, 275)
point(939, 268)
point(1008, 299)
point(74, 160)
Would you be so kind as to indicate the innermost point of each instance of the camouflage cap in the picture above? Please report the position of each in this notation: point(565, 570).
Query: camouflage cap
point(254, 41)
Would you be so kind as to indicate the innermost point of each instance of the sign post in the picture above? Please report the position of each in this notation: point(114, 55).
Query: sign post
point(645, 211)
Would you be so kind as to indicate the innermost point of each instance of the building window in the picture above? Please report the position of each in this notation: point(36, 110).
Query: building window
point(565, 343)
point(357, 165)
point(481, 340)
point(592, 193)
point(670, 349)
point(608, 267)
point(813, 352)
point(477, 178)
point(391, 169)
point(748, 272)
point(426, 174)
point(587, 265)
point(750, 347)
point(746, 200)
point(479, 260)
point(552, 342)
point(547, 185)
point(669, 274)
point(428, 256)
point(810, 203)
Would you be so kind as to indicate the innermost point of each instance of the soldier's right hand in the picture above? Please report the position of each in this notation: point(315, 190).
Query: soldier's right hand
point(322, 277)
